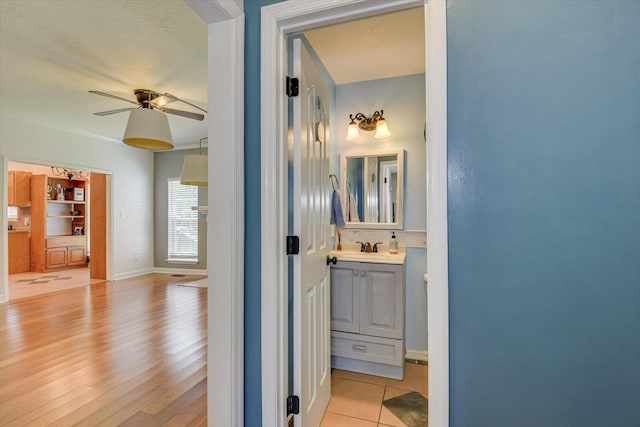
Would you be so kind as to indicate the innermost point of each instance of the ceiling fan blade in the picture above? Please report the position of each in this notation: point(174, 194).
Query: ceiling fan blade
point(187, 114)
point(108, 95)
point(119, 110)
point(175, 98)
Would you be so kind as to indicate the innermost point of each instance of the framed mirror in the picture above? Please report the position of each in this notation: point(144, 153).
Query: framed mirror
point(372, 184)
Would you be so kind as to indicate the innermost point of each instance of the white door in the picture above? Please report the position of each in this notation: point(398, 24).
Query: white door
point(311, 345)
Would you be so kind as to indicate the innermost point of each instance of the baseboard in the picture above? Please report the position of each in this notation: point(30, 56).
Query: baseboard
point(421, 355)
point(180, 271)
point(131, 274)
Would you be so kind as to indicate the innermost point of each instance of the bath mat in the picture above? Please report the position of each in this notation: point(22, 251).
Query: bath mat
point(410, 408)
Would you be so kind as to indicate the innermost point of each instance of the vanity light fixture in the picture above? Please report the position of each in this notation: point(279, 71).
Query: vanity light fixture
point(71, 174)
point(361, 122)
point(194, 169)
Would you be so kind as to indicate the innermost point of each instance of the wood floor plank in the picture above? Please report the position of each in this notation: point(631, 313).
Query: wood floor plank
point(131, 352)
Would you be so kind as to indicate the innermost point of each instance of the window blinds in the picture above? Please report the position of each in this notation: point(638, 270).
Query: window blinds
point(182, 221)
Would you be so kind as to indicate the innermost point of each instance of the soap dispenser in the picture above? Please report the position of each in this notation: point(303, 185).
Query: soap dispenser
point(393, 244)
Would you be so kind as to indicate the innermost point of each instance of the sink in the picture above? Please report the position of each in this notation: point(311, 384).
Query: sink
point(375, 257)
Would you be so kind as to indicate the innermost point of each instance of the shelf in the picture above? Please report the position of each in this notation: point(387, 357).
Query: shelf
point(65, 216)
point(67, 202)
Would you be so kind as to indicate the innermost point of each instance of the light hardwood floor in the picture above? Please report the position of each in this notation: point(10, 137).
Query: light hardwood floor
point(131, 353)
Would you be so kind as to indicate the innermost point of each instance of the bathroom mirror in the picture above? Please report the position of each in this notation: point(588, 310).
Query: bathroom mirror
point(372, 185)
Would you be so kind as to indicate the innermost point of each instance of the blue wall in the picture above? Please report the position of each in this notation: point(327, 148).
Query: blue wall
point(544, 212)
point(252, 282)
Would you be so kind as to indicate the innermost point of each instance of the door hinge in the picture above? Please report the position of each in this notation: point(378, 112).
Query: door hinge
point(293, 245)
point(293, 86)
point(293, 405)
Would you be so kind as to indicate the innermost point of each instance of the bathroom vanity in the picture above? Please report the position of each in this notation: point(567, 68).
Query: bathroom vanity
point(368, 313)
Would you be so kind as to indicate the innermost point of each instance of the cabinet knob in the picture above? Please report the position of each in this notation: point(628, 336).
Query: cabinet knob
point(363, 273)
point(355, 272)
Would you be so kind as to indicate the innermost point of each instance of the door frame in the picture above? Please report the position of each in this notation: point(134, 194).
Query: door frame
point(277, 21)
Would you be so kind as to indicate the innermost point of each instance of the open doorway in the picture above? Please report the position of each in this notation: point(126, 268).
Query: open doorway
point(366, 383)
point(57, 229)
point(279, 21)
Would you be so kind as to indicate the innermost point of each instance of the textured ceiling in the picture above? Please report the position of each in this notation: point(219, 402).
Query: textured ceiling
point(382, 46)
point(53, 52)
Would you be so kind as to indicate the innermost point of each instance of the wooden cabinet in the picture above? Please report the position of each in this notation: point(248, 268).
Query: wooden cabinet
point(367, 318)
point(57, 224)
point(19, 252)
point(19, 189)
point(63, 257)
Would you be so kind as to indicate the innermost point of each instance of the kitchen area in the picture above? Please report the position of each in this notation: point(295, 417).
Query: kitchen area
point(48, 221)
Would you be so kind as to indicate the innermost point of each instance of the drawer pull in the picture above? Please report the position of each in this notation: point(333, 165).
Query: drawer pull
point(359, 347)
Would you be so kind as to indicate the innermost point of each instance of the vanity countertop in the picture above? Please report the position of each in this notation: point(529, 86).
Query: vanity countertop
point(375, 257)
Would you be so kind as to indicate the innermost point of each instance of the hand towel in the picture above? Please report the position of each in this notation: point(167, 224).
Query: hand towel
point(337, 215)
point(352, 215)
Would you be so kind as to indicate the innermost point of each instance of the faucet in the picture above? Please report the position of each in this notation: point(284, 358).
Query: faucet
point(365, 247)
point(375, 246)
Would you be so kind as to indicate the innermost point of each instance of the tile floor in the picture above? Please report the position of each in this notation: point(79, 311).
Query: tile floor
point(27, 285)
point(356, 399)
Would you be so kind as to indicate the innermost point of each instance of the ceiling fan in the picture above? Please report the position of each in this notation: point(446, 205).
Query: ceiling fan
point(150, 99)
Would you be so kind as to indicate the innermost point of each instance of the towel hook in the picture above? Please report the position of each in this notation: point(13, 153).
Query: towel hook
point(331, 178)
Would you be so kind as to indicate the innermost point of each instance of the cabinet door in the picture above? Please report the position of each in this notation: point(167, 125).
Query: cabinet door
point(19, 253)
point(22, 187)
point(56, 257)
point(381, 300)
point(76, 256)
point(344, 297)
point(11, 194)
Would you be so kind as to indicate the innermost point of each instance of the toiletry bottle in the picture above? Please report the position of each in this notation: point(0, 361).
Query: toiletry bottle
point(393, 244)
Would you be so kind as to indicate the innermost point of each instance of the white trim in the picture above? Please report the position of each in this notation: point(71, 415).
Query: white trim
point(187, 271)
point(4, 236)
point(225, 228)
point(274, 223)
point(130, 274)
point(422, 355)
point(437, 255)
point(278, 20)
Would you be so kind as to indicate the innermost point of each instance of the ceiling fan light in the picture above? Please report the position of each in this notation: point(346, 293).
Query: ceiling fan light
point(195, 170)
point(148, 129)
point(161, 100)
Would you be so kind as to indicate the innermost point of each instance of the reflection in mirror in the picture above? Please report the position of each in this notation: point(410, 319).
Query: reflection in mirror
point(372, 184)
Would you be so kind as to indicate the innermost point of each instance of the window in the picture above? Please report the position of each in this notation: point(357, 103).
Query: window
point(182, 222)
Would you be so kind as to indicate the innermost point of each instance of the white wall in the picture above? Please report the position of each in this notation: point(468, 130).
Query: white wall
point(402, 99)
point(132, 183)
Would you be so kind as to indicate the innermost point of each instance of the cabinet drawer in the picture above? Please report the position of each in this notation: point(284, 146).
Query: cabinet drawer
point(367, 348)
point(63, 241)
